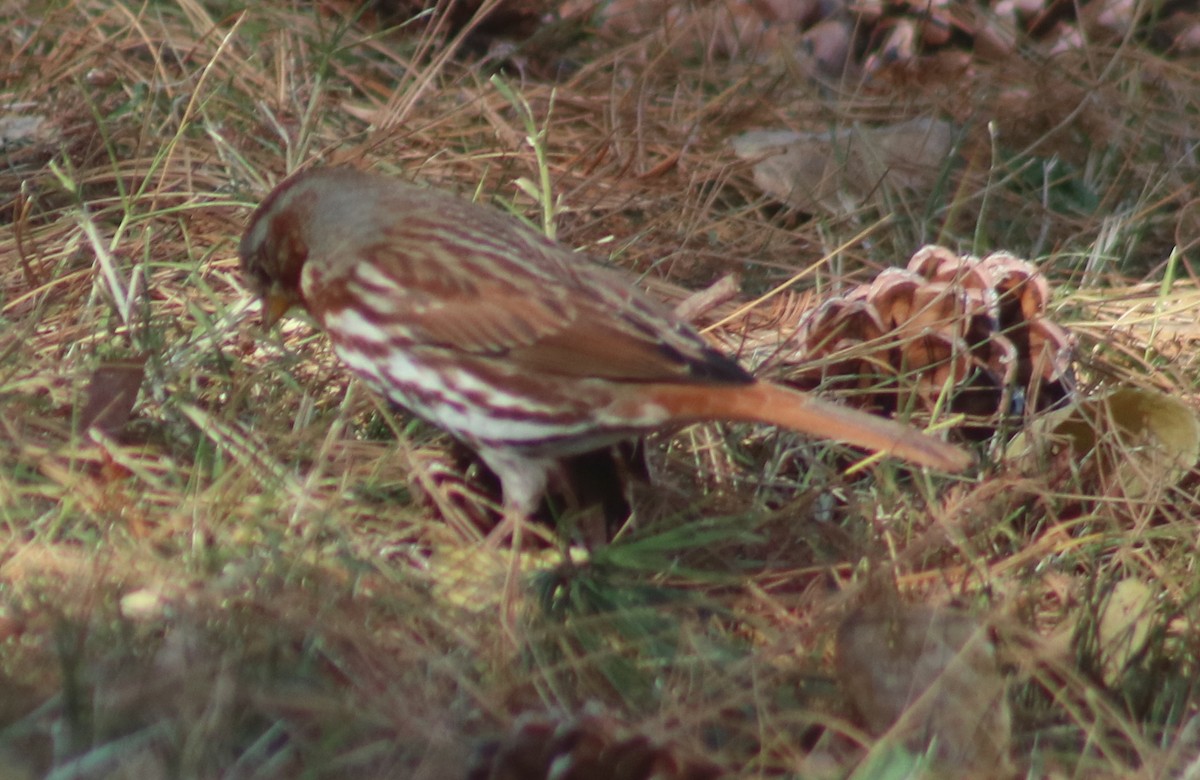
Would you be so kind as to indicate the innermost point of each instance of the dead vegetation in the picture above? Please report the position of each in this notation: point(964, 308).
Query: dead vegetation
point(219, 558)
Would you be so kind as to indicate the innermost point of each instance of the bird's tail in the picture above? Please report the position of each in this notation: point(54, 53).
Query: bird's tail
point(763, 402)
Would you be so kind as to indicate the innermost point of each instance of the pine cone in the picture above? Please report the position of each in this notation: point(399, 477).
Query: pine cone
point(976, 327)
point(590, 747)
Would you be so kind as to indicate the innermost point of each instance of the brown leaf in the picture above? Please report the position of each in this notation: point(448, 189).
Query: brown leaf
point(1136, 441)
point(838, 171)
point(927, 676)
point(111, 394)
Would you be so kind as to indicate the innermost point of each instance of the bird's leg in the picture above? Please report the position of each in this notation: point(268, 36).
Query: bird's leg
point(509, 596)
point(598, 491)
point(523, 482)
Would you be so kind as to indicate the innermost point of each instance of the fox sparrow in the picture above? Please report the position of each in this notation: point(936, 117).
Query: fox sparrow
point(516, 345)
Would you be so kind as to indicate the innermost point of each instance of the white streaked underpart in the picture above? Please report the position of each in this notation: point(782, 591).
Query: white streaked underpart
point(457, 411)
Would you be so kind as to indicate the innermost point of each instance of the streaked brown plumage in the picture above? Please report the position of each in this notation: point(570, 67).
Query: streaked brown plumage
point(521, 348)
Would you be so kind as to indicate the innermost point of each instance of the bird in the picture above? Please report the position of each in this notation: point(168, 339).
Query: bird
point(520, 347)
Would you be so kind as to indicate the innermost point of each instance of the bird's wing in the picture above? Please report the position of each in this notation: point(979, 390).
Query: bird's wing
point(508, 294)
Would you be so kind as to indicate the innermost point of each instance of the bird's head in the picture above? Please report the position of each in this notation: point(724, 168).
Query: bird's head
point(274, 248)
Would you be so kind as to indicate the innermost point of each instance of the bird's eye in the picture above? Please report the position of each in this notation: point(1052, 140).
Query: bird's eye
point(255, 272)
point(263, 277)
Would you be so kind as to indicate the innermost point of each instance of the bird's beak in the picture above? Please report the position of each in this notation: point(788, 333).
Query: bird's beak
point(275, 304)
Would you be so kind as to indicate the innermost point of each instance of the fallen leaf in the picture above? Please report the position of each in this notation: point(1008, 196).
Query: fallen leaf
point(927, 676)
point(111, 393)
point(17, 128)
point(838, 171)
point(1139, 440)
point(1124, 626)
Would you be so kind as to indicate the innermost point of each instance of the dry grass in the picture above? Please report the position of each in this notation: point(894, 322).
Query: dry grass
point(255, 580)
